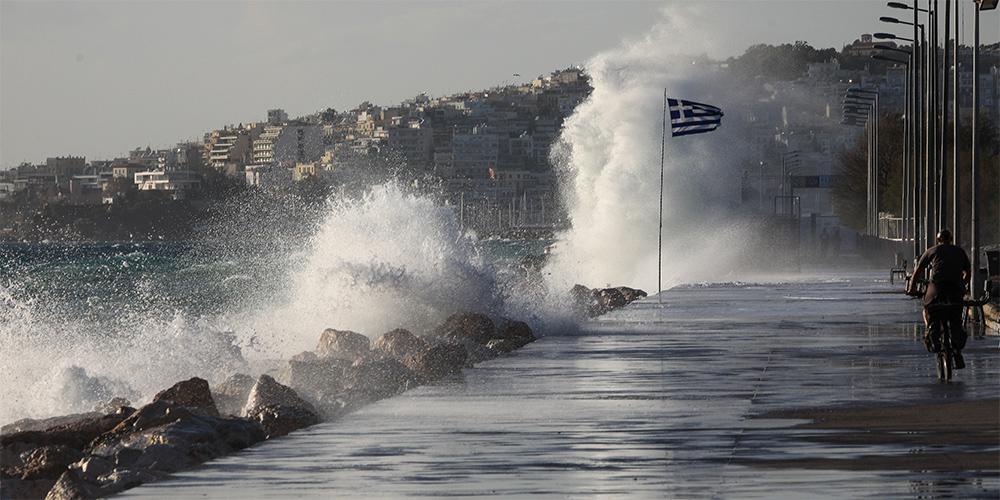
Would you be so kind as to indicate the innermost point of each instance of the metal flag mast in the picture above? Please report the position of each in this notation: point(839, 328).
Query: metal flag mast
point(659, 234)
point(686, 118)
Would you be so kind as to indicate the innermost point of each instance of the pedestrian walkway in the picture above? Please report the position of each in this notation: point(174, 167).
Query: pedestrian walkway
point(649, 402)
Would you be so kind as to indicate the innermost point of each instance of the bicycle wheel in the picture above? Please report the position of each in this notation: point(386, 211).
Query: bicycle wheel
point(944, 365)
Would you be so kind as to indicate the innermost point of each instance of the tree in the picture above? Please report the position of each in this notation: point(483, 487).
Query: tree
point(782, 62)
point(850, 192)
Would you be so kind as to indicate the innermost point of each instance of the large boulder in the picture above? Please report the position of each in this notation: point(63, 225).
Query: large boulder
point(77, 435)
point(342, 344)
point(231, 395)
point(277, 408)
point(278, 420)
point(398, 344)
point(313, 377)
point(41, 424)
point(598, 301)
point(631, 294)
point(437, 361)
point(374, 379)
point(475, 327)
point(47, 461)
point(512, 335)
point(193, 393)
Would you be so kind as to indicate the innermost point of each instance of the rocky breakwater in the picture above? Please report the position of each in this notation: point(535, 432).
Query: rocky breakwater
point(593, 302)
point(98, 455)
point(104, 452)
point(347, 370)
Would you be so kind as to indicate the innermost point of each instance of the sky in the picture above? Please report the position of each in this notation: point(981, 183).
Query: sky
point(97, 78)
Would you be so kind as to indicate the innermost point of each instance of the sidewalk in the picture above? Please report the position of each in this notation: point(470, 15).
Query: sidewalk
point(678, 401)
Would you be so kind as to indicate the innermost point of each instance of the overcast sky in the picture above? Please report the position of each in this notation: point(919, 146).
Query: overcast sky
point(97, 78)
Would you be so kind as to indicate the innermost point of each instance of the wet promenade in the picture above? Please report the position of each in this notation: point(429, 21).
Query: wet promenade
point(648, 402)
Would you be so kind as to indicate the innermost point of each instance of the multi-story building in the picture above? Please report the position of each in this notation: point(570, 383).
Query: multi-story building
point(473, 155)
point(288, 144)
point(176, 183)
point(414, 140)
point(228, 150)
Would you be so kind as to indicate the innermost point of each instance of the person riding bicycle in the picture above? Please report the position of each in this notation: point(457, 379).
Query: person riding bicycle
point(950, 270)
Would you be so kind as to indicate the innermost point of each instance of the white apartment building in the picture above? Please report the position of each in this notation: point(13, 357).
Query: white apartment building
point(176, 183)
point(287, 145)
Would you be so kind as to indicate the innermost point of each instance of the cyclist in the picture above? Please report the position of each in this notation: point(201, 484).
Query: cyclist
point(950, 270)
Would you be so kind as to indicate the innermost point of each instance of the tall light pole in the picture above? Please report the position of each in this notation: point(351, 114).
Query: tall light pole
point(979, 6)
point(920, 125)
point(905, 192)
point(956, 170)
point(867, 98)
point(942, 140)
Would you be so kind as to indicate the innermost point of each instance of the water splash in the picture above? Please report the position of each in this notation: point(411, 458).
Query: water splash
point(609, 156)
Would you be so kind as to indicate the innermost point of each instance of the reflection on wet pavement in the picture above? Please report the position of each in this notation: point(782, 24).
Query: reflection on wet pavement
point(649, 401)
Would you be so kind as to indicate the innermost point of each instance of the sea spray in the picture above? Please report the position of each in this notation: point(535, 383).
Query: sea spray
point(384, 259)
point(609, 161)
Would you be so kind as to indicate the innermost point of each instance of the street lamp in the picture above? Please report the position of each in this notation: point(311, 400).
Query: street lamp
point(980, 5)
point(905, 192)
point(900, 5)
point(858, 104)
point(890, 36)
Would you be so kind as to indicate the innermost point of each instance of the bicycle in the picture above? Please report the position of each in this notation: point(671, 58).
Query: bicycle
point(944, 320)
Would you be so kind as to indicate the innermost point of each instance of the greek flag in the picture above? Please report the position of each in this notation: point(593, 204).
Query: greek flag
point(689, 117)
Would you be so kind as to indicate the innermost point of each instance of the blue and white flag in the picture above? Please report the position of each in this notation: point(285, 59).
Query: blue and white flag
point(689, 117)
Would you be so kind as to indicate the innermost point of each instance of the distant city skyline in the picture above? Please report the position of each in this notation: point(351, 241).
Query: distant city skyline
point(96, 78)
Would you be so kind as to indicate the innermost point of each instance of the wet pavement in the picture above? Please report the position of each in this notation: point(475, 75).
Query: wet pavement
point(650, 401)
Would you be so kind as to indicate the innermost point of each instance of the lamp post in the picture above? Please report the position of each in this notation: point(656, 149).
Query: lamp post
point(905, 192)
point(870, 98)
point(923, 158)
point(980, 5)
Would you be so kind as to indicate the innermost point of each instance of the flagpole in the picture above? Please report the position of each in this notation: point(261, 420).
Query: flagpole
point(659, 237)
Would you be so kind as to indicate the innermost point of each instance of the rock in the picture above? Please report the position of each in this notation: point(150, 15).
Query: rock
point(122, 479)
point(231, 395)
point(193, 393)
point(513, 335)
point(76, 435)
point(342, 344)
point(277, 408)
point(70, 486)
point(30, 424)
point(112, 405)
point(398, 344)
point(152, 415)
point(611, 298)
point(48, 461)
point(595, 302)
point(313, 377)
point(437, 361)
point(13, 487)
point(475, 327)
point(631, 294)
point(90, 468)
point(378, 378)
point(268, 392)
point(305, 357)
point(279, 420)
